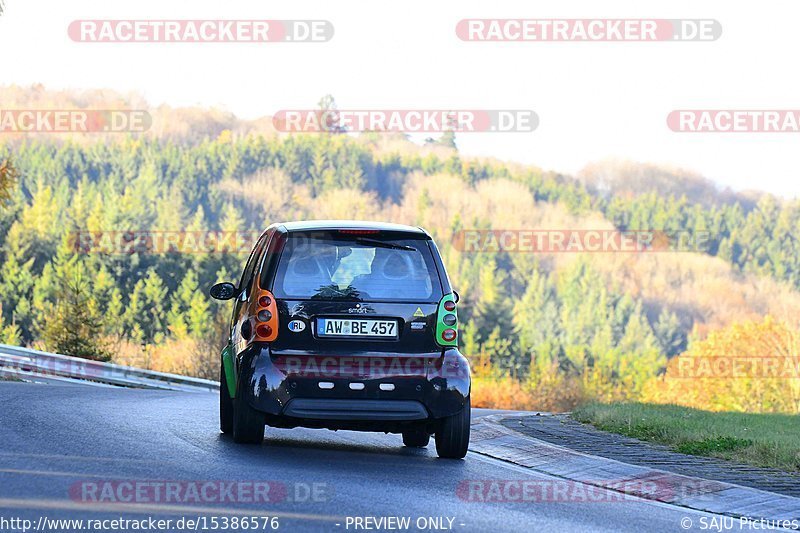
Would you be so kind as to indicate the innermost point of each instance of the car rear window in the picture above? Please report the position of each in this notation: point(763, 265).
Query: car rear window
point(361, 267)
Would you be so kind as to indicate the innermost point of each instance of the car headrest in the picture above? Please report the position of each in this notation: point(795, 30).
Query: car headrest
point(307, 266)
point(392, 264)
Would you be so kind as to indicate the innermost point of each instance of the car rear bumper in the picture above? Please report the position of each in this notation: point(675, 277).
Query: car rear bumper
point(372, 410)
point(411, 388)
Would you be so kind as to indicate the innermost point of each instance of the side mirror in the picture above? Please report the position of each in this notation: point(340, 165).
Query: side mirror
point(456, 297)
point(223, 291)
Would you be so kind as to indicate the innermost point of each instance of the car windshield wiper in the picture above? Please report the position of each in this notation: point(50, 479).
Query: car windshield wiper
point(382, 244)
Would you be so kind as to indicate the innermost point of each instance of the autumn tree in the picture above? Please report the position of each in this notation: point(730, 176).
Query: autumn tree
point(751, 366)
point(8, 175)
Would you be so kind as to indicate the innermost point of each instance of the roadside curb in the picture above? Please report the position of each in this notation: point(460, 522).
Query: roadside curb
point(491, 438)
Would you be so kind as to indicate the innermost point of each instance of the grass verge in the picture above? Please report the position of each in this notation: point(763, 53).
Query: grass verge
point(768, 440)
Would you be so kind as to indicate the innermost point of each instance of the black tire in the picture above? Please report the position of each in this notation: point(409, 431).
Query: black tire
point(416, 438)
point(225, 404)
point(452, 437)
point(248, 423)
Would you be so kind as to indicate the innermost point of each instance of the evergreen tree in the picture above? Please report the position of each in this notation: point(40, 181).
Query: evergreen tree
point(75, 327)
point(670, 334)
point(448, 139)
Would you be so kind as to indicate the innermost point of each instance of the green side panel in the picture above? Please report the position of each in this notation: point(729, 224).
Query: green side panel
point(230, 375)
point(441, 326)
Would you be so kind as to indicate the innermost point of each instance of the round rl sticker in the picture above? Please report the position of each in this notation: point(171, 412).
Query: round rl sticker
point(297, 326)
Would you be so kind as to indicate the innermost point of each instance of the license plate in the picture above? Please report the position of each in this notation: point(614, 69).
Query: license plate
point(356, 327)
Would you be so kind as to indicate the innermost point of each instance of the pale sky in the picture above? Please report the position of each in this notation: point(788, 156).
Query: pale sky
point(594, 100)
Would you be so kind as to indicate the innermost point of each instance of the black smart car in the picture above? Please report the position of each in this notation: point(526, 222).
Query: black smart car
point(345, 325)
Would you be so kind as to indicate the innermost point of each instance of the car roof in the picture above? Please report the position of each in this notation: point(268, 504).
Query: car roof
point(322, 225)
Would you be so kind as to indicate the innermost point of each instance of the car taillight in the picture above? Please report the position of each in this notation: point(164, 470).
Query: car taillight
point(449, 335)
point(265, 316)
point(449, 305)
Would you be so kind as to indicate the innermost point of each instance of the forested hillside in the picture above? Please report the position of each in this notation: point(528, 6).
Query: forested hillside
point(556, 329)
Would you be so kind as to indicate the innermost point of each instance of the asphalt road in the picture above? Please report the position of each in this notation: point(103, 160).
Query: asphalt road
point(61, 442)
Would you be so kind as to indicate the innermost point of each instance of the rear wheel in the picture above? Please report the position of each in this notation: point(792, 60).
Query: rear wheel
point(452, 437)
point(225, 403)
point(416, 438)
point(248, 423)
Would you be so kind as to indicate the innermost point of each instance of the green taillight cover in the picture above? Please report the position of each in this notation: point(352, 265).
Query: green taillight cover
point(441, 325)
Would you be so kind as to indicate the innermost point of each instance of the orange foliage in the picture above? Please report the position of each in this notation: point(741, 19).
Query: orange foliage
point(545, 390)
point(751, 366)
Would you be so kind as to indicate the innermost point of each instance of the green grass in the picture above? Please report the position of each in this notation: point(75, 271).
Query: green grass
point(769, 440)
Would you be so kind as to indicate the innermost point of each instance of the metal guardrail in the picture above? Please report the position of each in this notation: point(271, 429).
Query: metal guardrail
point(27, 363)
